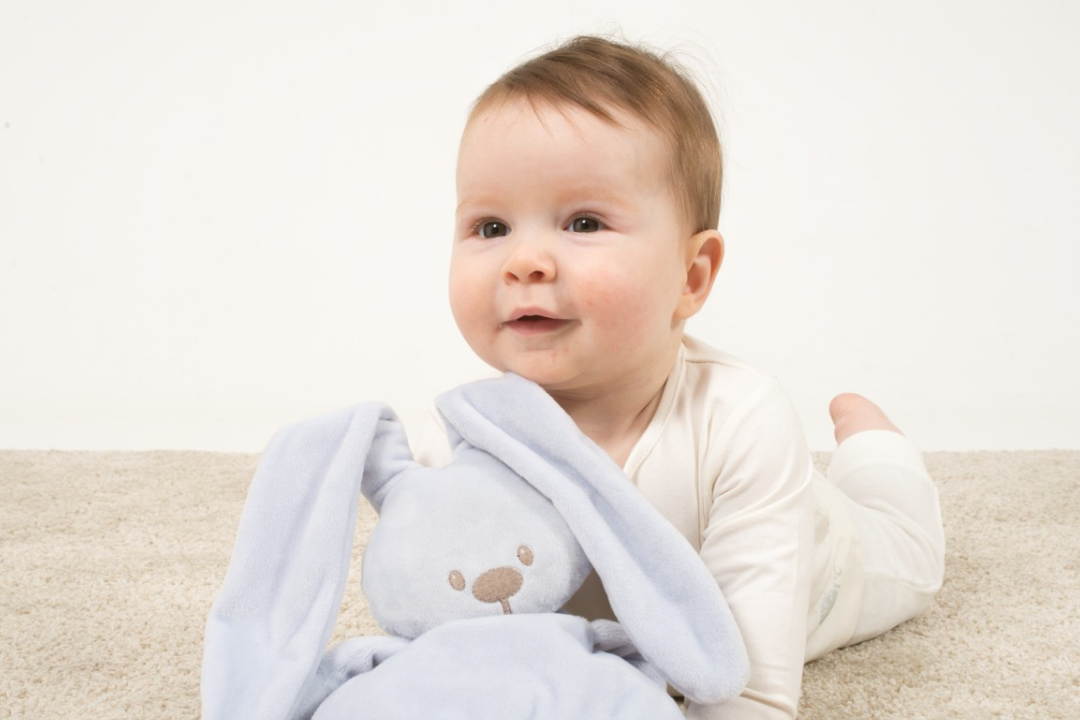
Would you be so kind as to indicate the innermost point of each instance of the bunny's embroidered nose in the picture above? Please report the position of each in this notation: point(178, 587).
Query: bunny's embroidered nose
point(497, 585)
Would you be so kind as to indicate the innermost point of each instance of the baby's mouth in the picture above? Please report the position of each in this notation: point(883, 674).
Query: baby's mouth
point(530, 324)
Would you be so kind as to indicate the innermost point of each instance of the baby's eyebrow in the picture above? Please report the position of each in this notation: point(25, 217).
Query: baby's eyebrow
point(479, 202)
point(593, 196)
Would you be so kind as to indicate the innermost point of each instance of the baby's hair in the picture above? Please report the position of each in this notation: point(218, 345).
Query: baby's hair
point(601, 75)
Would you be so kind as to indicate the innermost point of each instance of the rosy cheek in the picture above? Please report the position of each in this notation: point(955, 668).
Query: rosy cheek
point(465, 300)
point(610, 288)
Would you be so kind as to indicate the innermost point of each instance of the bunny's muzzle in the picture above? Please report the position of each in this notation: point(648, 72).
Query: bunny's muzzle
point(498, 585)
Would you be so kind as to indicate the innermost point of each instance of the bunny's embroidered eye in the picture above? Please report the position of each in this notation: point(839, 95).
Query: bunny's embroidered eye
point(525, 555)
point(457, 580)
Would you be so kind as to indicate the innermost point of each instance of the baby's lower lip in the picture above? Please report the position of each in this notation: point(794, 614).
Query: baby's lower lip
point(535, 324)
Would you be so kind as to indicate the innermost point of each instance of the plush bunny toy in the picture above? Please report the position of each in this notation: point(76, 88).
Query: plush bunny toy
point(465, 569)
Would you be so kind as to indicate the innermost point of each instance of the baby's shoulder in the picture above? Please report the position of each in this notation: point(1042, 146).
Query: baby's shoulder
point(712, 373)
point(738, 412)
point(726, 397)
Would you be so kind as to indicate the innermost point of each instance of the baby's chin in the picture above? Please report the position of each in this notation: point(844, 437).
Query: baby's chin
point(552, 379)
point(562, 386)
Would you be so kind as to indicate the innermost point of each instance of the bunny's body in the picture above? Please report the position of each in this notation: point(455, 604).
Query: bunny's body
point(512, 667)
point(465, 569)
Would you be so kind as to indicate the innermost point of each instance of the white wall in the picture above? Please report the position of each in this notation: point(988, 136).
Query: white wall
point(217, 217)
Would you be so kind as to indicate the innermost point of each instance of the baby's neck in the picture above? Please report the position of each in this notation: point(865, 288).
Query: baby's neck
point(614, 420)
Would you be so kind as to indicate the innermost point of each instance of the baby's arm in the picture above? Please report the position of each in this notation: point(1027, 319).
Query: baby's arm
point(758, 543)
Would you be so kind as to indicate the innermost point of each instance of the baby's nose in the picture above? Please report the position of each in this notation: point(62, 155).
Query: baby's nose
point(497, 586)
point(529, 263)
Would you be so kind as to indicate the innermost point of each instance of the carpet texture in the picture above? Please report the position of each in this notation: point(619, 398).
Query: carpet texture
point(109, 563)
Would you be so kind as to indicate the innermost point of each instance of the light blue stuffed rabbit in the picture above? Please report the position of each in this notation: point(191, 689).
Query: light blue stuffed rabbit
point(466, 570)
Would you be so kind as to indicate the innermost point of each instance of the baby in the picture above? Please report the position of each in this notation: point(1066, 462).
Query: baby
point(588, 186)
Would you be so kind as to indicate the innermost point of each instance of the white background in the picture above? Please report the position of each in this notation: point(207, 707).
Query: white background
point(216, 217)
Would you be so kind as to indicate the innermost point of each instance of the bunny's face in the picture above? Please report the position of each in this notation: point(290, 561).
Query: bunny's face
point(468, 540)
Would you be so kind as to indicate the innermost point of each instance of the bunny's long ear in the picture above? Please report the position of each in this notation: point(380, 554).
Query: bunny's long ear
point(272, 619)
point(658, 586)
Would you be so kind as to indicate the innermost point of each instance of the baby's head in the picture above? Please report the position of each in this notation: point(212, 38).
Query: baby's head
point(588, 200)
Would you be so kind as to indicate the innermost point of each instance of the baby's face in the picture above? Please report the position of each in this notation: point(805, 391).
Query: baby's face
point(569, 254)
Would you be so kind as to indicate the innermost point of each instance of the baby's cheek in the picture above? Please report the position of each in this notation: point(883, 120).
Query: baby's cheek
point(466, 295)
point(621, 308)
point(627, 290)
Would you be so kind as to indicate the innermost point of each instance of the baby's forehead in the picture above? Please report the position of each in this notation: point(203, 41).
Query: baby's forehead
point(518, 116)
point(543, 135)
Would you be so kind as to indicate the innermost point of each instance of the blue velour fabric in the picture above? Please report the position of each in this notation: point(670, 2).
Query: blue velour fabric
point(465, 569)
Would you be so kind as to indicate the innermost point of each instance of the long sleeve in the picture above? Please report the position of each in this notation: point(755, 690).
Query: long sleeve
point(725, 460)
point(758, 541)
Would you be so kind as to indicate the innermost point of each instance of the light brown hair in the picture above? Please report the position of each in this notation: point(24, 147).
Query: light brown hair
point(601, 75)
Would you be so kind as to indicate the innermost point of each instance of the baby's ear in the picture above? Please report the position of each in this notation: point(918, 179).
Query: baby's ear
point(704, 255)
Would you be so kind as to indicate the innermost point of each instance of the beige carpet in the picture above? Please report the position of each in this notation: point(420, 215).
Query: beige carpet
point(109, 563)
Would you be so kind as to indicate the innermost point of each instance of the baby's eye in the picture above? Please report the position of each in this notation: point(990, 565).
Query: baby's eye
point(585, 224)
point(492, 229)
